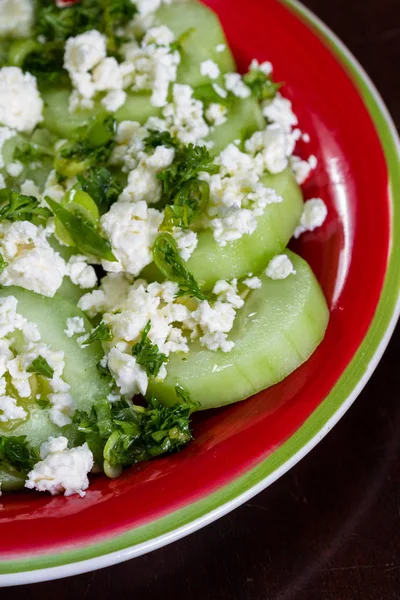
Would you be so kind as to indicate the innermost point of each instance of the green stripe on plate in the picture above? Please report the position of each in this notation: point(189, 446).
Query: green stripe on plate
point(202, 512)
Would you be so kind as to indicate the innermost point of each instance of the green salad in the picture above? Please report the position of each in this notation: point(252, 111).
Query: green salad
point(148, 192)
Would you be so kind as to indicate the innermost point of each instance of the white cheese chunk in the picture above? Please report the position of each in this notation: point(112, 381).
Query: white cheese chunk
point(314, 214)
point(130, 377)
point(9, 411)
point(280, 267)
point(16, 18)
point(208, 68)
point(61, 469)
point(20, 102)
point(74, 326)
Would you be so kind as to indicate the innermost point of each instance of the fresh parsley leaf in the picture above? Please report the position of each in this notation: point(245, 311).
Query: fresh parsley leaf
point(92, 146)
point(17, 453)
point(189, 204)
point(178, 44)
point(29, 152)
point(188, 162)
point(182, 394)
point(101, 185)
point(44, 61)
point(18, 207)
point(159, 138)
point(147, 354)
point(43, 403)
point(3, 264)
point(123, 434)
point(41, 367)
point(261, 85)
point(166, 257)
point(82, 232)
point(101, 333)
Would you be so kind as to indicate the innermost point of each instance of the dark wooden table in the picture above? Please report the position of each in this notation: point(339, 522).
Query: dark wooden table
point(330, 528)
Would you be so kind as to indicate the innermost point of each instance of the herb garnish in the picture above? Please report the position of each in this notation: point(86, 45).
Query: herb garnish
point(123, 434)
point(83, 232)
point(159, 138)
point(18, 207)
point(41, 367)
point(166, 256)
point(189, 204)
point(17, 453)
point(101, 185)
point(3, 264)
point(101, 333)
point(147, 354)
point(261, 85)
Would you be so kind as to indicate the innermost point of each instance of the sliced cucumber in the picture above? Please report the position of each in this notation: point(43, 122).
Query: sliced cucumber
point(211, 262)
point(80, 372)
point(244, 118)
point(61, 121)
point(204, 34)
point(10, 479)
point(279, 327)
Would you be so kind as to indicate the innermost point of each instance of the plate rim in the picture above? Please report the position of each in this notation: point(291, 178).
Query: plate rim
point(178, 524)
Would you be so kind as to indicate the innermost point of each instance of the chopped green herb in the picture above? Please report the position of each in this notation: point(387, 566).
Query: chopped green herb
point(41, 367)
point(166, 256)
point(17, 207)
point(82, 232)
point(17, 453)
point(101, 185)
point(188, 162)
point(189, 204)
point(45, 61)
point(43, 403)
point(3, 264)
point(261, 85)
point(101, 333)
point(123, 434)
point(159, 138)
point(27, 153)
point(178, 44)
point(182, 394)
point(147, 354)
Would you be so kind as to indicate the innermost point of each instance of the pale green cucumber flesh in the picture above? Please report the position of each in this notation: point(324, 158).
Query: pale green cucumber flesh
point(243, 119)
point(80, 372)
point(211, 262)
point(277, 330)
point(201, 43)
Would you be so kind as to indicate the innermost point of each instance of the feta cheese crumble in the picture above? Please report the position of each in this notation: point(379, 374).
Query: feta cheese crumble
point(20, 103)
point(208, 68)
point(280, 267)
point(74, 326)
point(61, 470)
point(314, 214)
point(235, 84)
point(32, 262)
point(16, 18)
point(185, 117)
point(253, 283)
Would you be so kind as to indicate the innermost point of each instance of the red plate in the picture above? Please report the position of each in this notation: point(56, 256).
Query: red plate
point(239, 450)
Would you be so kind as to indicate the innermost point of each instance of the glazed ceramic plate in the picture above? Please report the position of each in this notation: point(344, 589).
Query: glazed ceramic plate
point(240, 450)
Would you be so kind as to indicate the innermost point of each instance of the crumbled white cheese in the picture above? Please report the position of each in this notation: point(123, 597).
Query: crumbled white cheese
point(143, 184)
point(280, 267)
point(84, 51)
point(220, 90)
point(187, 242)
point(253, 283)
point(235, 84)
point(114, 100)
point(216, 114)
point(185, 117)
point(131, 228)
point(265, 67)
point(15, 168)
point(220, 48)
point(63, 408)
point(9, 410)
point(279, 111)
point(2, 182)
point(228, 292)
point(74, 326)
point(32, 262)
point(29, 188)
point(80, 272)
point(61, 469)
point(303, 168)
point(314, 214)
point(130, 377)
point(20, 102)
point(16, 18)
point(208, 68)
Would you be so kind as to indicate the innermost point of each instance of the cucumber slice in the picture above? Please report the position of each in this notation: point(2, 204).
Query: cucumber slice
point(244, 118)
point(200, 44)
point(211, 262)
point(59, 120)
point(279, 327)
point(10, 479)
point(80, 372)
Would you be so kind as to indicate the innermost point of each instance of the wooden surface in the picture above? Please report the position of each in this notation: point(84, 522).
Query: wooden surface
point(330, 528)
